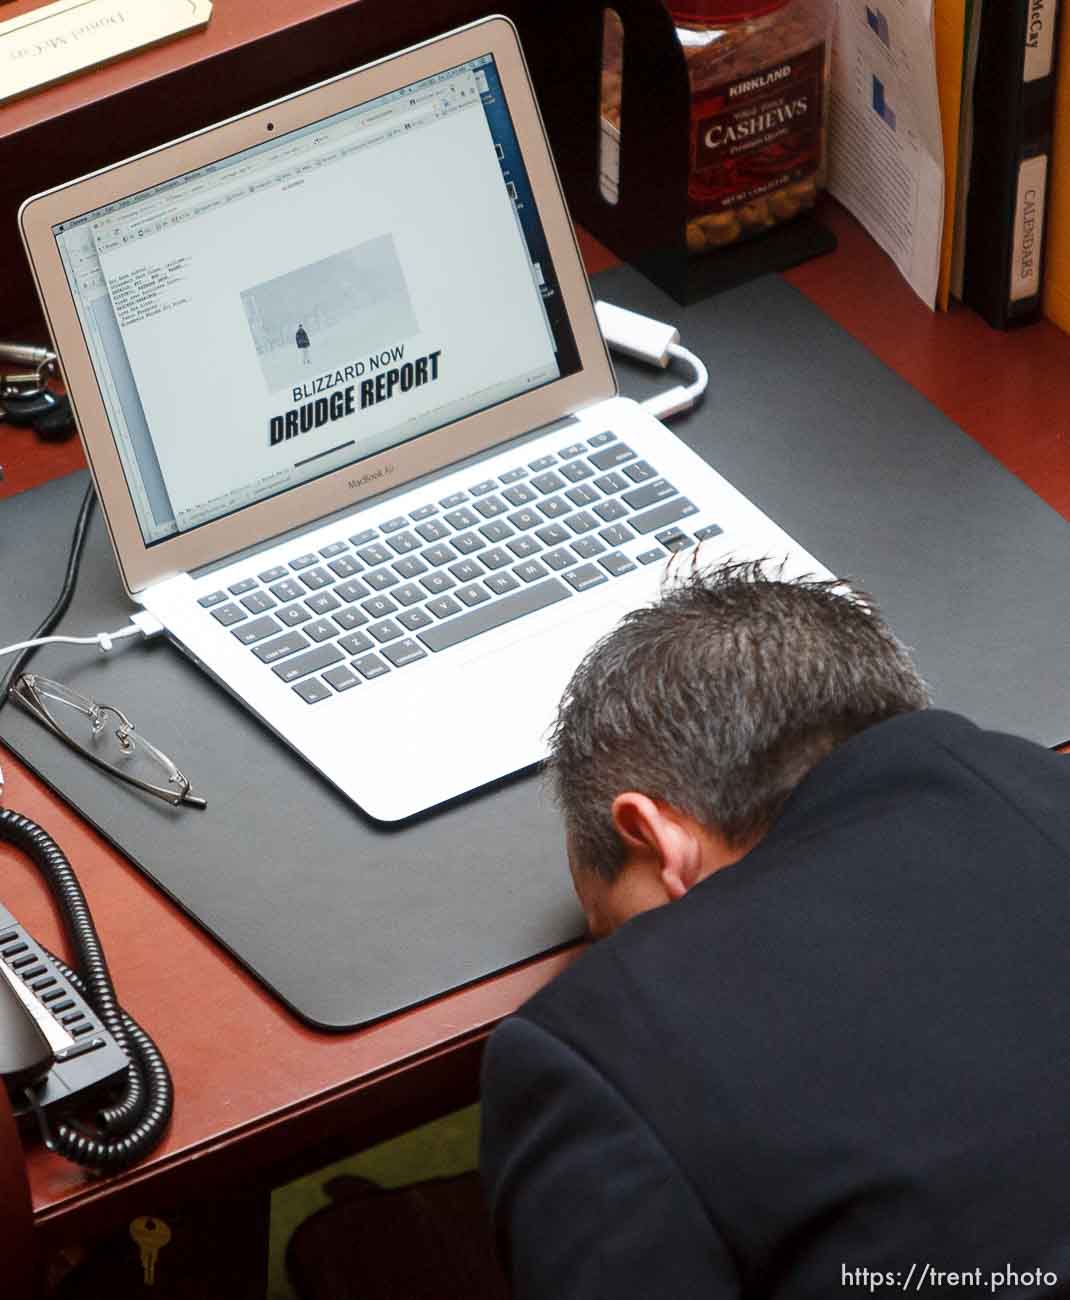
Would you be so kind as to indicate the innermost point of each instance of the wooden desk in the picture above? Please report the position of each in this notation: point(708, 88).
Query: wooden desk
point(255, 1089)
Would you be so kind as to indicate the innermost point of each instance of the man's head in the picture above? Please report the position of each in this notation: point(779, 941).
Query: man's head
point(684, 731)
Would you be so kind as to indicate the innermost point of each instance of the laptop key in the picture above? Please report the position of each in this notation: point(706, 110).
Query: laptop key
point(313, 691)
point(496, 558)
point(513, 475)
point(273, 574)
point(379, 607)
point(259, 628)
point(303, 561)
point(376, 553)
point(467, 570)
point(414, 619)
point(531, 571)
point(524, 546)
point(586, 576)
point(612, 456)
point(352, 590)
point(316, 578)
point(342, 678)
point(500, 583)
point(552, 534)
point(560, 559)
point(600, 439)
point(711, 530)
point(489, 507)
point(356, 643)
point(661, 516)
point(345, 566)
point(350, 617)
point(544, 462)
point(554, 507)
point(323, 629)
point(370, 666)
point(387, 630)
point(258, 602)
point(443, 607)
point(239, 588)
point(616, 534)
point(270, 652)
point(402, 653)
point(335, 548)
point(674, 540)
point(496, 531)
point(574, 449)
point(582, 521)
point(612, 509)
point(466, 543)
point(577, 470)
point(519, 495)
point(524, 519)
point(584, 495)
point(436, 583)
point(405, 542)
point(649, 494)
point(409, 594)
point(472, 593)
point(481, 489)
point(291, 615)
point(409, 567)
point(434, 530)
point(380, 579)
point(454, 499)
point(461, 518)
point(440, 553)
point(313, 661)
point(392, 525)
point(616, 564)
point(228, 615)
point(611, 482)
point(651, 557)
point(548, 482)
point(640, 471)
point(495, 613)
point(287, 589)
point(588, 547)
point(213, 598)
point(362, 539)
point(322, 602)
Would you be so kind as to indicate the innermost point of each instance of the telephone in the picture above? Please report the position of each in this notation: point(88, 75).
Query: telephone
point(64, 1038)
point(50, 1038)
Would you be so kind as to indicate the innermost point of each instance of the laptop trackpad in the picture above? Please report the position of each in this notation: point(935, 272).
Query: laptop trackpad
point(454, 741)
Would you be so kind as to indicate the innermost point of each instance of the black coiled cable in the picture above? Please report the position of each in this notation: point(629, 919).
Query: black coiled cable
point(135, 1124)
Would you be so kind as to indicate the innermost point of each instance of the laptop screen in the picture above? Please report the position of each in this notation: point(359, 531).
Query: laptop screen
point(308, 302)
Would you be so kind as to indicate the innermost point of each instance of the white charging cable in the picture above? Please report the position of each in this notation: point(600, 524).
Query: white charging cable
point(141, 624)
point(658, 344)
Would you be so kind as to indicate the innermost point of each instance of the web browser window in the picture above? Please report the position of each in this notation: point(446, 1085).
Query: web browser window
point(316, 299)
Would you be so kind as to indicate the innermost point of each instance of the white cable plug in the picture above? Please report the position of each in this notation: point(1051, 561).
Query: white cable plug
point(658, 344)
point(142, 622)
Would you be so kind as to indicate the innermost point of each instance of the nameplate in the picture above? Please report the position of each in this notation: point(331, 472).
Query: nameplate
point(59, 40)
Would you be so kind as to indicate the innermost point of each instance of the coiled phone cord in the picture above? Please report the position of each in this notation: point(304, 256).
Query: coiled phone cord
point(135, 1124)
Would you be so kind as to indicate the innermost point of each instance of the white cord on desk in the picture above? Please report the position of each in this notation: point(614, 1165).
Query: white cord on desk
point(141, 624)
point(658, 344)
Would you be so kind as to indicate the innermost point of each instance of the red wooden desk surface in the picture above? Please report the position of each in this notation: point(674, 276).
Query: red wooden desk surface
point(254, 1086)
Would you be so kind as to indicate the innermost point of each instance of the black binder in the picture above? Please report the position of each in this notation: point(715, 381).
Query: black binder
point(1013, 104)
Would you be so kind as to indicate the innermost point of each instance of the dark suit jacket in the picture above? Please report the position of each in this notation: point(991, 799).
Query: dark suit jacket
point(850, 1051)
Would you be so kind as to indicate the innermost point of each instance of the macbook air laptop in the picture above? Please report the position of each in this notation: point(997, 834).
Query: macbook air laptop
point(269, 327)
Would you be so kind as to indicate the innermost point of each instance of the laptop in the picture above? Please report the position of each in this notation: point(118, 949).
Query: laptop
point(353, 428)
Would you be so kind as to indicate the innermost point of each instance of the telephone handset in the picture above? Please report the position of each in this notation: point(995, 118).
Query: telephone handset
point(64, 1038)
point(49, 1036)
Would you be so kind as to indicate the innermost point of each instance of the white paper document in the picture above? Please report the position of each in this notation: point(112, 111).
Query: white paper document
point(886, 156)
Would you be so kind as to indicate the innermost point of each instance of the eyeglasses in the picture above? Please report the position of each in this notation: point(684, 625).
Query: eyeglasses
point(105, 736)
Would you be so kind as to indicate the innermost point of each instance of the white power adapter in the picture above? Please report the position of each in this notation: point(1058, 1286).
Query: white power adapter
point(658, 344)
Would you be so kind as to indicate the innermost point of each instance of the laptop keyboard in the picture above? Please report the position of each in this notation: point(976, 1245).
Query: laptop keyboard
point(385, 597)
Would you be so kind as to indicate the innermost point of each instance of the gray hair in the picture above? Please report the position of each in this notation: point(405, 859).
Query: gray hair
point(719, 699)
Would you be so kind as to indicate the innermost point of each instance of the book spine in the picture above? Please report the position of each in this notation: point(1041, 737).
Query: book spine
point(1010, 175)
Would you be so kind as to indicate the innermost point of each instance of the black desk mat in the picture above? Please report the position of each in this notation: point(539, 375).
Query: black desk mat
point(346, 920)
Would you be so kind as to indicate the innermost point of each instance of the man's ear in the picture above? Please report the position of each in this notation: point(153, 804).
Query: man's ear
point(661, 841)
